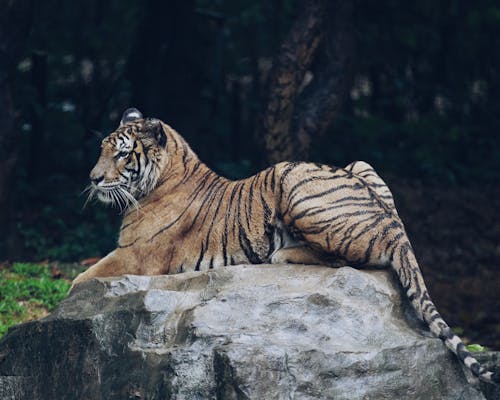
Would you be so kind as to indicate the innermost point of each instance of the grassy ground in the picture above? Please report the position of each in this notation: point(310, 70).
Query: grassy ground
point(31, 291)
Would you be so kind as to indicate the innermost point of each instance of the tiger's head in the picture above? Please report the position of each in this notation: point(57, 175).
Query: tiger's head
point(131, 161)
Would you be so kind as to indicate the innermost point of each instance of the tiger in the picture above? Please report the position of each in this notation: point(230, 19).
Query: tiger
point(179, 215)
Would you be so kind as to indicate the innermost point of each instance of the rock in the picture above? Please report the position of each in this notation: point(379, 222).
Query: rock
point(245, 332)
point(491, 361)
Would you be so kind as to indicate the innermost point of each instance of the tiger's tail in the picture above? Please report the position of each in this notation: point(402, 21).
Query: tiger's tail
point(405, 264)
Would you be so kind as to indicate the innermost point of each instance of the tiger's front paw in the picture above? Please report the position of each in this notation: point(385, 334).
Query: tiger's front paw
point(83, 277)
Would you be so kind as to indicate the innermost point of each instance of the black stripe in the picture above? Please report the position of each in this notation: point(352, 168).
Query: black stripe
point(127, 225)
point(189, 174)
point(138, 161)
point(246, 245)
point(369, 249)
point(206, 202)
point(237, 214)
point(273, 178)
point(289, 168)
point(123, 175)
point(266, 173)
point(174, 141)
point(317, 195)
point(121, 138)
point(446, 334)
point(191, 198)
point(462, 352)
point(347, 232)
point(200, 258)
point(428, 306)
point(394, 241)
point(122, 246)
point(368, 228)
point(434, 317)
point(309, 212)
point(475, 368)
point(343, 218)
point(226, 224)
point(184, 153)
point(214, 217)
point(291, 193)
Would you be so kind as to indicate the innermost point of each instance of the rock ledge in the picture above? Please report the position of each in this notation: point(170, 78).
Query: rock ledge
point(244, 332)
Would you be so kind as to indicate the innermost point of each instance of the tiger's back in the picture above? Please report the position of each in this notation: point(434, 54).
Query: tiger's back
point(248, 221)
point(186, 217)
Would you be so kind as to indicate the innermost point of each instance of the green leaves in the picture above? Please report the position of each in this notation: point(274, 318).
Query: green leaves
point(477, 348)
point(27, 292)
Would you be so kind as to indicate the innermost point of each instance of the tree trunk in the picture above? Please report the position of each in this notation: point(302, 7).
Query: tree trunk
point(15, 21)
point(8, 149)
point(302, 104)
point(289, 67)
point(323, 98)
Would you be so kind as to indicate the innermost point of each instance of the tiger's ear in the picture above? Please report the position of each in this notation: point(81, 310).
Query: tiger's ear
point(154, 129)
point(130, 114)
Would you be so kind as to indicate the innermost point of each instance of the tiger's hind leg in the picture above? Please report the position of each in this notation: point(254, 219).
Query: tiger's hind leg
point(347, 214)
point(295, 255)
point(303, 255)
point(345, 217)
point(366, 172)
point(289, 250)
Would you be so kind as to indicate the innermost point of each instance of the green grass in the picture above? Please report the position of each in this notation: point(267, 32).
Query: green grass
point(28, 291)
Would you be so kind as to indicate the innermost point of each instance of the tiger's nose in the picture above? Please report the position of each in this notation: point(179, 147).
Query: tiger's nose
point(95, 181)
point(95, 178)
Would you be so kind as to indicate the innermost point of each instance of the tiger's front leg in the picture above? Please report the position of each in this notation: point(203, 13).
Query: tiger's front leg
point(114, 264)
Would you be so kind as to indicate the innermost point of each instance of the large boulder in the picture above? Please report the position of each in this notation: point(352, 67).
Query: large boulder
point(245, 332)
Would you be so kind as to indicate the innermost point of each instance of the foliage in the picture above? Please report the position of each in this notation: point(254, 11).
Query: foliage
point(69, 234)
point(425, 102)
point(28, 291)
point(476, 348)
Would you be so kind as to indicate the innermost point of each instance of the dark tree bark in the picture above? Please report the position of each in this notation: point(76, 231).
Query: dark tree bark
point(301, 105)
point(15, 22)
point(289, 67)
point(324, 97)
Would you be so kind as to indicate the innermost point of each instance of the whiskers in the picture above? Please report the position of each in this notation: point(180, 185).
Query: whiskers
point(91, 191)
point(117, 195)
point(127, 199)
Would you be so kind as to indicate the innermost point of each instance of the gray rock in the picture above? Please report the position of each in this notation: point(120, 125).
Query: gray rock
point(245, 332)
point(491, 361)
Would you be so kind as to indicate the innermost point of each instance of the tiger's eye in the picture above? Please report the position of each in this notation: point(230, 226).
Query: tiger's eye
point(121, 154)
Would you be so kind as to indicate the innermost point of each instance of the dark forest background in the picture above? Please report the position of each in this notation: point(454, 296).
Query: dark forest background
point(411, 87)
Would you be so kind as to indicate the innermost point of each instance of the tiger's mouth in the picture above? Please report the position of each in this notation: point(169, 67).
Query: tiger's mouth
point(116, 194)
point(105, 196)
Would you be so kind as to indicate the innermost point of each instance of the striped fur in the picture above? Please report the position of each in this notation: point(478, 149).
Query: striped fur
point(181, 216)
